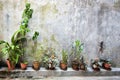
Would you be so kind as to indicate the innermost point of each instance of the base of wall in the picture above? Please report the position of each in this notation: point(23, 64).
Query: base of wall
point(30, 73)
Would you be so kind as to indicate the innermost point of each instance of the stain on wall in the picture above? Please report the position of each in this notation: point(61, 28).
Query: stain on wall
point(1, 20)
point(62, 22)
point(117, 5)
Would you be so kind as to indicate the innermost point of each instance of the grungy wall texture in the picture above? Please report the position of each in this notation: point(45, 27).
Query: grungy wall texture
point(61, 22)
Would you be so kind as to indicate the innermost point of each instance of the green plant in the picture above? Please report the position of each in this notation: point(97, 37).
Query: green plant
point(49, 59)
point(39, 53)
point(37, 50)
point(64, 56)
point(23, 30)
point(13, 51)
point(77, 49)
point(15, 48)
point(25, 62)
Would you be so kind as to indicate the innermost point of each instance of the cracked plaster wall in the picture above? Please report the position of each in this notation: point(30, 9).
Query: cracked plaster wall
point(64, 21)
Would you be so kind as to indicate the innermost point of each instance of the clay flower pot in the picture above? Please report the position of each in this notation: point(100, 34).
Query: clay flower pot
point(23, 66)
point(51, 66)
point(106, 66)
point(95, 64)
point(10, 65)
point(63, 65)
point(36, 65)
point(83, 67)
point(95, 67)
point(75, 65)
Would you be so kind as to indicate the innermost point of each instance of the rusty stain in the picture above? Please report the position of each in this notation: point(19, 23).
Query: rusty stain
point(117, 5)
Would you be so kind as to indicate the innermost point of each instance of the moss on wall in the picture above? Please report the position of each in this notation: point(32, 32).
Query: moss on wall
point(48, 8)
point(1, 6)
point(117, 5)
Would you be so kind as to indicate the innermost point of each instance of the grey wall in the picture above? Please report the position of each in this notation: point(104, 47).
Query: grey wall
point(64, 21)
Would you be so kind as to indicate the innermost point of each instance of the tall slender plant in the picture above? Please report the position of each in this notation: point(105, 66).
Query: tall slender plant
point(34, 48)
point(63, 62)
point(77, 48)
point(15, 48)
point(64, 56)
point(76, 52)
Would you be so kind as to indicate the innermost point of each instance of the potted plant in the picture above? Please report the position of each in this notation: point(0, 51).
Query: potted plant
point(37, 52)
point(49, 59)
point(24, 65)
point(105, 64)
point(13, 52)
point(63, 62)
point(15, 48)
point(76, 50)
point(37, 58)
point(83, 65)
point(95, 64)
point(12, 49)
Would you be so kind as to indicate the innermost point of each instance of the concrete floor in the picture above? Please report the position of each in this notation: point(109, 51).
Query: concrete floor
point(72, 78)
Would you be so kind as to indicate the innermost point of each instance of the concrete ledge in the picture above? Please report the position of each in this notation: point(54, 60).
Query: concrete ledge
point(30, 73)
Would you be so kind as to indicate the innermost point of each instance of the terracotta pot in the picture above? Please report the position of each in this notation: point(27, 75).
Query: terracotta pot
point(82, 67)
point(95, 67)
point(106, 66)
point(51, 67)
point(75, 65)
point(36, 65)
point(23, 66)
point(10, 65)
point(63, 66)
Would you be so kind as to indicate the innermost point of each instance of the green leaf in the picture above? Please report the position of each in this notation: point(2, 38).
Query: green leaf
point(35, 36)
point(1, 42)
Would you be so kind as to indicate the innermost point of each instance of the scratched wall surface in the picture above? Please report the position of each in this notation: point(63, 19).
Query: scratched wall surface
point(64, 21)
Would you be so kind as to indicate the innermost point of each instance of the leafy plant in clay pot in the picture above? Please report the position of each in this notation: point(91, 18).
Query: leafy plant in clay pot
point(15, 49)
point(49, 59)
point(12, 51)
point(26, 16)
point(37, 52)
point(76, 51)
point(63, 62)
point(83, 65)
point(95, 64)
point(105, 64)
point(24, 65)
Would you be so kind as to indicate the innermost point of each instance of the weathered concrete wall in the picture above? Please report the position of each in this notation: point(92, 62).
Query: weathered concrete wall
point(62, 22)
